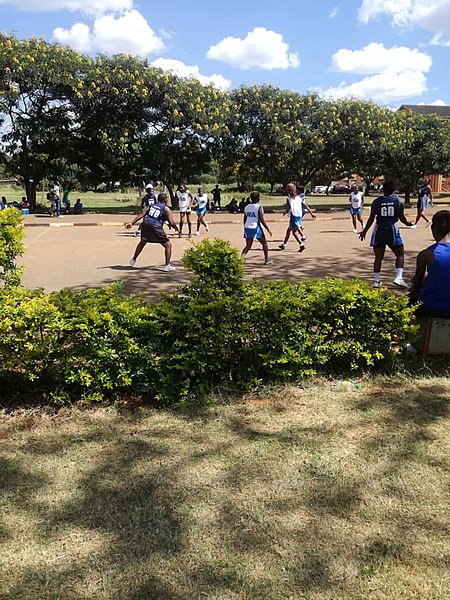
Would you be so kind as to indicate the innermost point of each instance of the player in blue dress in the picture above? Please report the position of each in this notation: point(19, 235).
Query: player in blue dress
point(387, 210)
point(254, 222)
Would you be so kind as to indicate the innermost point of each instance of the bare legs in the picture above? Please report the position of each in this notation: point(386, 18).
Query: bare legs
point(249, 244)
point(188, 219)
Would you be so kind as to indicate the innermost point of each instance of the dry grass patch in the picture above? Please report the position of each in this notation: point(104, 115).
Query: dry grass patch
point(303, 493)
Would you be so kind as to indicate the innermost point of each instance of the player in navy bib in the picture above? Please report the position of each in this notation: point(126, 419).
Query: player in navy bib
point(387, 211)
point(152, 232)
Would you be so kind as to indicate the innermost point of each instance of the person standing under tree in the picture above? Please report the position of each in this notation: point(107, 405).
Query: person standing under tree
point(185, 199)
point(254, 221)
point(152, 231)
point(356, 199)
point(387, 210)
point(216, 193)
point(201, 203)
point(424, 198)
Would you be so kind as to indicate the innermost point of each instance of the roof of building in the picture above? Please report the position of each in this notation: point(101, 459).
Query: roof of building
point(427, 109)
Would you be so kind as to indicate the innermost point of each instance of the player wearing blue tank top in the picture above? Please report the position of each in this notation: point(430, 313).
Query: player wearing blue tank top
point(387, 210)
point(152, 231)
point(254, 222)
point(431, 281)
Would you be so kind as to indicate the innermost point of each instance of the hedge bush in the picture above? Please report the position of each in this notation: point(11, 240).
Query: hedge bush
point(100, 344)
point(11, 235)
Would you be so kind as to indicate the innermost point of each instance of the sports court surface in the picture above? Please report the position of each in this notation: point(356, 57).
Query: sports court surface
point(94, 250)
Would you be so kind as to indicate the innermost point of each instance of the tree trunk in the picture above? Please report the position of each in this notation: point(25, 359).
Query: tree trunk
point(30, 191)
point(172, 195)
point(408, 196)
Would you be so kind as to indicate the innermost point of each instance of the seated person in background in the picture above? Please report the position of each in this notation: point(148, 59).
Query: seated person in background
point(78, 207)
point(242, 205)
point(3, 203)
point(232, 206)
point(24, 204)
point(431, 281)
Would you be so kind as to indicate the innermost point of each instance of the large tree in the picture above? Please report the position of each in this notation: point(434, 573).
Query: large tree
point(36, 87)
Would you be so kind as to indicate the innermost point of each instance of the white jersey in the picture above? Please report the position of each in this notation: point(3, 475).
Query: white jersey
point(184, 200)
point(202, 200)
point(251, 211)
point(296, 206)
point(356, 199)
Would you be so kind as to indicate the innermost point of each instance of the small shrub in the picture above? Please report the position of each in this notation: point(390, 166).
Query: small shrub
point(11, 235)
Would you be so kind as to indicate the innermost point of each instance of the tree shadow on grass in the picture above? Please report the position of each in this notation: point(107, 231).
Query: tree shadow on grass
point(254, 507)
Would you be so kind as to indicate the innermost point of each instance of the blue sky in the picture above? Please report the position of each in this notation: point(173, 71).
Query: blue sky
point(391, 51)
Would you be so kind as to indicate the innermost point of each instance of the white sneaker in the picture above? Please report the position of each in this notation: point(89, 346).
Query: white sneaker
point(268, 262)
point(137, 233)
point(282, 246)
point(206, 227)
point(197, 233)
point(355, 231)
point(412, 227)
point(376, 284)
point(400, 282)
point(169, 268)
point(428, 224)
point(132, 262)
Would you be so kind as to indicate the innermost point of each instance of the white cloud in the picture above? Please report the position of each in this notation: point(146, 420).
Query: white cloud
point(87, 6)
point(392, 74)
point(333, 12)
point(431, 15)
point(435, 103)
point(78, 36)
point(375, 58)
point(129, 33)
point(179, 68)
point(383, 88)
point(260, 49)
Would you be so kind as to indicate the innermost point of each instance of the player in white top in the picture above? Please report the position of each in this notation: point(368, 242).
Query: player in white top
point(201, 204)
point(295, 206)
point(185, 199)
point(356, 199)
point(254, 222)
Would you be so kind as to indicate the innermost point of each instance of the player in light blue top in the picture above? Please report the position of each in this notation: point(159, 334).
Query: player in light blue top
point(201, 206)
point(254, 222)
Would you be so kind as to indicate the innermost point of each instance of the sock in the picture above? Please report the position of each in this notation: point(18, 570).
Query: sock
point(399, 273)
point(376, 277)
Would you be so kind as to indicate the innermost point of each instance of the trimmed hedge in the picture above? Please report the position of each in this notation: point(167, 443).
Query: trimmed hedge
point(100, 344)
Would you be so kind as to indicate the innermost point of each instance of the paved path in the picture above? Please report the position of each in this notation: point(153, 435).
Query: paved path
point(94, 250)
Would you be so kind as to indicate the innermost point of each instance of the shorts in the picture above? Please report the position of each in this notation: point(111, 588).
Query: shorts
point(185, 210)
point(255, 233)
point(422, 203)
point(386, 236)
point(355, 211)
point(153, 233)
point(295, 222)
point(201, 211)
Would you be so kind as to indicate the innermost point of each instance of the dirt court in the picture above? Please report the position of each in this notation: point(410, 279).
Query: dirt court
point(94, 250)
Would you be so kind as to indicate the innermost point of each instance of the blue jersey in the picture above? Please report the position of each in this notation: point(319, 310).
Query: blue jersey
point(436, 293)
point(156, 213)
point(387, 210)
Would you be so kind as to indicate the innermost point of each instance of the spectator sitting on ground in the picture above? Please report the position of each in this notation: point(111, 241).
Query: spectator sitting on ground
point(242, 205)
point(3, 203)
point(431, 281)
point(232, 206)
point(24, 204)
point(78, 207)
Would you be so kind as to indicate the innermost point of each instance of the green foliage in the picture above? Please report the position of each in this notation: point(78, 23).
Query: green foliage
point(99, 344)
point(11, 235)
point(217, 265)
point(71, 346)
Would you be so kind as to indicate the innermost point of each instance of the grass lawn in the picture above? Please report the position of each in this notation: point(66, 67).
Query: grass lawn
point(129, 202)
point(300, 493)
